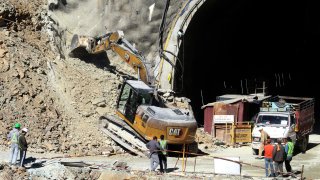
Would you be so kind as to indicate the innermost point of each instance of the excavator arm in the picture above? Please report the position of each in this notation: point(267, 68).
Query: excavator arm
point(118, 44)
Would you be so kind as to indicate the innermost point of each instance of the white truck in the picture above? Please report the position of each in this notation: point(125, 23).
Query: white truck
point(282, 117)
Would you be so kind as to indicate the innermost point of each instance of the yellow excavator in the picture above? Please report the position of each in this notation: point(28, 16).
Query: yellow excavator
point(141, 112)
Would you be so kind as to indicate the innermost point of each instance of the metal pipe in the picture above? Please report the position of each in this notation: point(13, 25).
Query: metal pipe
point(183, 152)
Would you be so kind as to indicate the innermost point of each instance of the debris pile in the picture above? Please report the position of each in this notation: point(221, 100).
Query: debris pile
point(25, 97)
point(55, 99)
point(12, 172)
point(171, 99)
point(52, 171)
point(85, 173)
point(120, 165)
point(208, 143)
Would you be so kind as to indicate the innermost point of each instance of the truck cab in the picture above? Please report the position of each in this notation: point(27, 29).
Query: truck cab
point(283, 117)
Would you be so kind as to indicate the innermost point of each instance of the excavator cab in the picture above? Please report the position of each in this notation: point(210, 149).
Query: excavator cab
point(133, 93)
point(147, 114)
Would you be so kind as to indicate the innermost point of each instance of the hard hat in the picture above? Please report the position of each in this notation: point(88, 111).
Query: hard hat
point(25, 129)
point(17, 125)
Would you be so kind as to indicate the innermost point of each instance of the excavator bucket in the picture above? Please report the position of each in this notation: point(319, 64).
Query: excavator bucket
point(81, 45)
point(93, 45)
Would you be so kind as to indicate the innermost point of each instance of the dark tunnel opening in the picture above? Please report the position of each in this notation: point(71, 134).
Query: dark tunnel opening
point(232, 41)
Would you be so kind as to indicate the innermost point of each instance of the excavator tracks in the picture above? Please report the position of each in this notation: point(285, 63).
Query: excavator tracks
point(123, 134)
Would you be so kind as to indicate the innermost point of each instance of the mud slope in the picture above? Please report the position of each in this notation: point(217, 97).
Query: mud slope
point(53, 97)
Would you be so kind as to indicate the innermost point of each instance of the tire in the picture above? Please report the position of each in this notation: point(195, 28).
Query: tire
point(255, 151)
point(304, 143)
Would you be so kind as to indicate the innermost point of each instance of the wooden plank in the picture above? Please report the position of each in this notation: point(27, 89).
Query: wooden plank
point(121, 142)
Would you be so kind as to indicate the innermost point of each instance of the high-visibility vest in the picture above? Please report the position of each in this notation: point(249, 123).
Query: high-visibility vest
point(14, 138)
point(290, 148)
point(163, 145)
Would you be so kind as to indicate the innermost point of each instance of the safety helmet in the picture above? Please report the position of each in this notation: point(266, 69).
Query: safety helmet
point(25, 129)
point(17, 125)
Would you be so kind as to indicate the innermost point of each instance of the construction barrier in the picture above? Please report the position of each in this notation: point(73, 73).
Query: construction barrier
point(185, 155)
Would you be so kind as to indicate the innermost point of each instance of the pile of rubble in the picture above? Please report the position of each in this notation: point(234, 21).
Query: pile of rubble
point(170, 98)
point(57, 100)
point(12, 172)
point(208, 143)
point(59, 171)
point(25, 97)
point(50, 171)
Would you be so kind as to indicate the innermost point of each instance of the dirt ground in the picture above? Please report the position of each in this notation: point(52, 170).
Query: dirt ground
point(202, 166)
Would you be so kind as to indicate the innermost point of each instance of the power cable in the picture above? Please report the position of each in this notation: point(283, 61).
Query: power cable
point(160, 38)
point(162, 51)
point(175, 57)
point(181, 36)
point(161, 32)
point(162, 25)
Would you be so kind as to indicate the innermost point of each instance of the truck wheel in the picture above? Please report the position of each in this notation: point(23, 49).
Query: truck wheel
point(304, 144)
point(255, 151)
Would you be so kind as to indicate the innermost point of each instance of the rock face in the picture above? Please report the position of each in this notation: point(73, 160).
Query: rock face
point(44, 92)
point(58, 98)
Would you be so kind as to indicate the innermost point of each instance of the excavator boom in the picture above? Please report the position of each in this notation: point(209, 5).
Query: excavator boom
point(117, 43)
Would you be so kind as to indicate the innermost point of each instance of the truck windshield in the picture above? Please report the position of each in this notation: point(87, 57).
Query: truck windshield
point(273, 119)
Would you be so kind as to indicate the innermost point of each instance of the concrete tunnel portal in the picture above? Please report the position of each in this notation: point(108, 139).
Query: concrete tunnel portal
point(233, 46)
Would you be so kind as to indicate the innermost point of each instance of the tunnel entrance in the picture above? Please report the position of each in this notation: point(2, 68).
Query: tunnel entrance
point(233, 46)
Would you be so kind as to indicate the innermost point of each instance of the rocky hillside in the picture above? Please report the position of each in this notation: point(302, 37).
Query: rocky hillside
point(58, 98)
point(40, 89)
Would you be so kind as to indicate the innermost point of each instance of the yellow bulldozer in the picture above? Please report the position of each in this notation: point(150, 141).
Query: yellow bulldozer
point(141, 112)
